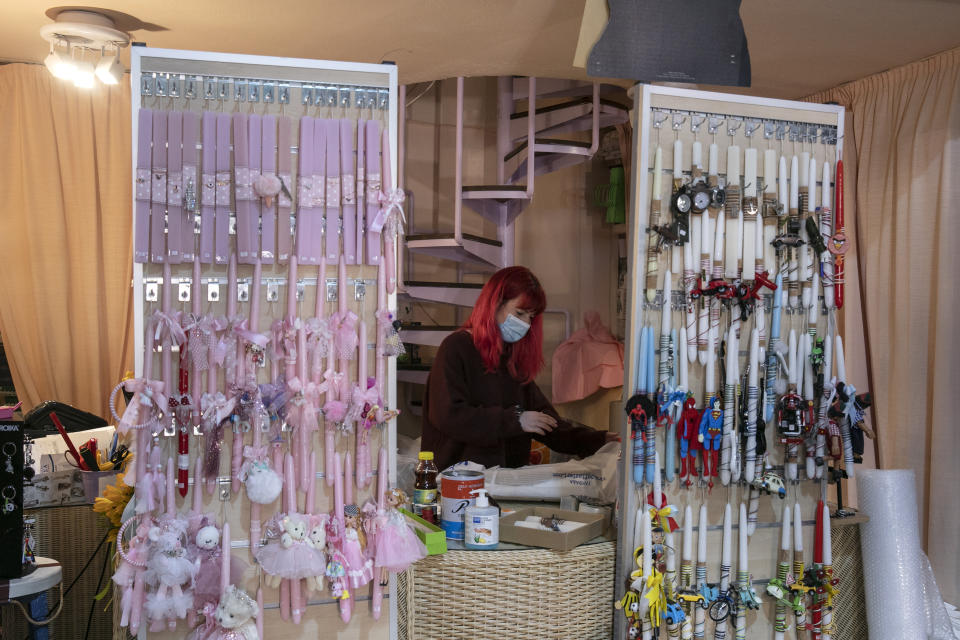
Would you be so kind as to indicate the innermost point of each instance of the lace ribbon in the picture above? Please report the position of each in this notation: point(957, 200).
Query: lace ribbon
point(344, 328)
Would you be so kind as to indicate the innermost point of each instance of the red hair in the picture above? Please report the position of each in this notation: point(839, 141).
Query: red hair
point(525, 357)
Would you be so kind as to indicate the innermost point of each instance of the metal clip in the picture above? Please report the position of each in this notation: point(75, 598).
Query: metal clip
point(794, 131)
point(239, 90)
point(360, 98)
point(781, 130)
point(332, 290)
point(383, 100)
point(321, 97)
point(223, 486)
point(306, 94)
point(769, 128)
point(253, 91)
point(223, 88)
point(243, 292)
point(813, 132)
point(213, 292)
point(360, 290)
point(147, 81)
point(750, 126)
point(151, 291)
point(190, 87)
point(301, 290)
point(269, 90)
point(284, 94)
point(658, 118)
point(173, 90)
point(733, 123)
point(344, 94)
point(713, 123)
point(232, 226)
point(183, 292)
point(677, 120)
point(696, 119)
point(210, 89)
point(273, 291)
point(163, 81)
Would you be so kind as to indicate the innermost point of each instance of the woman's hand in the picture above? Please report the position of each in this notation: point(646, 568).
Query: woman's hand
point(611, 436)
point(537, 422)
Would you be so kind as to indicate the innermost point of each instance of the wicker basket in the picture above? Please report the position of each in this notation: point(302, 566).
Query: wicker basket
point(70, 535)
point(850, 610)
point(523, 594)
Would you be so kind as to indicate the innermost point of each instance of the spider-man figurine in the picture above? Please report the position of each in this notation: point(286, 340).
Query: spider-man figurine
point(688, 432)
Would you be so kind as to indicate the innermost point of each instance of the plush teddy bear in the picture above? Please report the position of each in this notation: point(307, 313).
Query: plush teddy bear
point(236, 615)
point(317, 538)
point(294, 556)
point(294, 530)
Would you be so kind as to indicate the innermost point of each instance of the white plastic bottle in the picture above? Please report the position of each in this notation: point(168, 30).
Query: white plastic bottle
point(481, 523)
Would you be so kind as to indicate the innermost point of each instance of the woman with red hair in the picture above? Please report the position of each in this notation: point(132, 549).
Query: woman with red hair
point(481, 403)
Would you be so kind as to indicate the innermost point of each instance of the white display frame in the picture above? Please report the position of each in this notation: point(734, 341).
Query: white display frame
point(279, 69)
point(645, 96)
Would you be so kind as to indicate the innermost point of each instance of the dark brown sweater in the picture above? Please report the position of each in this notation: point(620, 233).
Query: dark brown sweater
point(470, 414)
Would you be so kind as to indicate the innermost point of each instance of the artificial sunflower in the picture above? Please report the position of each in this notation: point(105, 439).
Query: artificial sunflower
point(112, 503)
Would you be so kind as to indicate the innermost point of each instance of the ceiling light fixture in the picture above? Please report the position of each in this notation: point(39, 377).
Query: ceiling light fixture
point(60, 65)
point(110, 69)
point(84, 31)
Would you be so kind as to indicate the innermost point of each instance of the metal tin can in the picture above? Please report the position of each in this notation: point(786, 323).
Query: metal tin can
point(455, 497)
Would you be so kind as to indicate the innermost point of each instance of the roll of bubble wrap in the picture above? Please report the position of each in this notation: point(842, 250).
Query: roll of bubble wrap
point(896, 573)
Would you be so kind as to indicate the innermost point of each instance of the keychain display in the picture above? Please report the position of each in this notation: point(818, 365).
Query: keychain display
point(748, 222)
point(220, 202)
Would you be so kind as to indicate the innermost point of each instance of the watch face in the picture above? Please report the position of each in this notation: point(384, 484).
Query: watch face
point(682, 202)
point(718, 197)
point(701, 200)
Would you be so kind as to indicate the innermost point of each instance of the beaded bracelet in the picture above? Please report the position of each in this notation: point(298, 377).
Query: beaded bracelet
point(120, 550)
point(154, 419)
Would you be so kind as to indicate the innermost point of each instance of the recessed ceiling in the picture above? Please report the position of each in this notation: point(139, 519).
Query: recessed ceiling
point(796, 47)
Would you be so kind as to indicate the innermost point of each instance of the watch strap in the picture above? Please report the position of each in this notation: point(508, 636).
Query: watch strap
point(191, 185)
point(305, 188)
point(361, 193)
point(268, 210)
point(208, 186)
point(223, 188)
point(141, 187)
point(332, 225)
point(174, 185)
point(158, 189)
point(284, 202)
point(372, 144)
point(348, 191)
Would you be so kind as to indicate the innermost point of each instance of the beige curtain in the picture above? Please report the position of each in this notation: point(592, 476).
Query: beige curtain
point(66, 309)
point(906, 186)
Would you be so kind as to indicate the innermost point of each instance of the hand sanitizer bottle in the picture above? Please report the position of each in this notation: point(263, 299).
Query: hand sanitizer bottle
point(481, 523)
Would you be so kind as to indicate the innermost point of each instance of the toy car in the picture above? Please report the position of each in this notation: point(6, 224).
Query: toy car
point(693, 597)
point(769, 483)
point(673, 614)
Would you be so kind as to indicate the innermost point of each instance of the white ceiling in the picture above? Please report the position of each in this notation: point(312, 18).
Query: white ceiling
point(796, 47)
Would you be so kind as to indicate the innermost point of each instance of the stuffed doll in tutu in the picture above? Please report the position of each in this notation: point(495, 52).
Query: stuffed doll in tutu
point(397, 546)
point(359, 566)
point(291, 554)
point(169, 575)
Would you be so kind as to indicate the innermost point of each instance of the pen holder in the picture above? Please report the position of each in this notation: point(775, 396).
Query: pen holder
point(93, 483)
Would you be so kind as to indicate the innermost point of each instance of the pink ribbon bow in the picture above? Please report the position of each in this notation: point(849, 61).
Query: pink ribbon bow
point(360, 399)
point(344, 327)
point(140, 412)
point(389, 201)
point(168, 328)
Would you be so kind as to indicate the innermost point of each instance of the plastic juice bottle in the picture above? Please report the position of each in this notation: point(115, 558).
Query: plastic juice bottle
point(425, 487)
point(481, 523)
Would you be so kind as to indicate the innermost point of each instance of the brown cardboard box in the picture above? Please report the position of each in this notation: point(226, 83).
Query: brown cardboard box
point(510, 532)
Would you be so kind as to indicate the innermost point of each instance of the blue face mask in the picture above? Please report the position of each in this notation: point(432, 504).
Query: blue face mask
point(513, 328)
